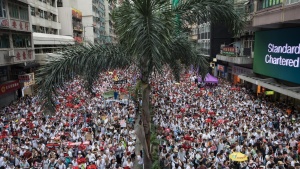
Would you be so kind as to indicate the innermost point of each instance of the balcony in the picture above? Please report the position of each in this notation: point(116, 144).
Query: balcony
point(235, 60)
point(42, 5)
point(36, 20)
point(77, 27)
point(273, 13)
point(229, 54)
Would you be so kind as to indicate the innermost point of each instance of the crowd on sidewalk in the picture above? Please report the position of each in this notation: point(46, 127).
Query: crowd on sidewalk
point(197, 126)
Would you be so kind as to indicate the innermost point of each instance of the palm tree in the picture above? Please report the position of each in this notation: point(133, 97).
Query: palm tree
point(151, 35)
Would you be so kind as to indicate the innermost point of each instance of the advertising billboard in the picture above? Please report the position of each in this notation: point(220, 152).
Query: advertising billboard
point(277, 54)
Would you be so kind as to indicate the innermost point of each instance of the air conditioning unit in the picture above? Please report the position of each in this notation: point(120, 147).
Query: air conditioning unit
point(11, 53)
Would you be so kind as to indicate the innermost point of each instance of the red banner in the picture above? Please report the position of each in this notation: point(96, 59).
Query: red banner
point(9, 87)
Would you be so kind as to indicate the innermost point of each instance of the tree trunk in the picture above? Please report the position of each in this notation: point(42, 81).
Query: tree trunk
point(146, 119)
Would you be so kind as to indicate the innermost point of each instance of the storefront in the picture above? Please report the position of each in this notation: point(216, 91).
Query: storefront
point(8, 92)
point(276, 64)
point(27, 82)
point(236, 71)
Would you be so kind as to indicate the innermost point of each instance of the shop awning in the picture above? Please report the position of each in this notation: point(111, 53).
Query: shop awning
point(271, 84)
point(50, 39)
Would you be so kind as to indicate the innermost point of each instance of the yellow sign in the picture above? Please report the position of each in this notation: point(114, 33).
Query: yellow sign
point(269, 92)
point(31, 80)
point(237, 156)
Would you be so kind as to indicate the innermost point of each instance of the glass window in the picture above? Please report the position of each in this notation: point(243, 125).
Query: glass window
point(34, 28)
point(4, 41)
point(54, 17)
point(13, 11)
point(21, 41)
point(41, 12)
point(32, 10)
point(42, 29)
point(24, 13)
point(2, 9)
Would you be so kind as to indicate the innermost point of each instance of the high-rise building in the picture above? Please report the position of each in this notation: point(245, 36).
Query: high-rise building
point(109, 24)
point(93, 20)
point(46, 28)
point(71, 20)
point(16, 49)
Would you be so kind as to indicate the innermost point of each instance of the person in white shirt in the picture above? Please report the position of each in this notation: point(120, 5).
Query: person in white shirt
point(128, 163)
point(91, 156)
point(61, 165)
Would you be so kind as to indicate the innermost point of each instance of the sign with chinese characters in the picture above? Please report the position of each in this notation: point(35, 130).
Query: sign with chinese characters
point(9, 87)
point(19, 25)
point(228, 50)
point(236, 70)
point(4, 22)
point(31, 80)
point(23, 55)
point(24, 78)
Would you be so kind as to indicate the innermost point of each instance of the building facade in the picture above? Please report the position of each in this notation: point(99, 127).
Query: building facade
point(238, 54)
point(109, 24)
point(16, 48)
point(46, 28)
point(93, 20)
point(266, 56)
point(210, 36)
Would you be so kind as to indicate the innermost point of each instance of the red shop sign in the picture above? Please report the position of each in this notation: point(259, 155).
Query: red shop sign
point(9, 87)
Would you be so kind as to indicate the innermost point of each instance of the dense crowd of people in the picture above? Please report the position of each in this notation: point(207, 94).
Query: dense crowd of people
point(198, 127)
point(86, 131)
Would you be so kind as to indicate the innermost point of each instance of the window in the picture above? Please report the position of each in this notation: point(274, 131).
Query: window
point(19, 12)
point(13, 11)
point(21, 41)
point(32, 10)
point(292, 1)
point(46, 15)
point(24, 13)
point(54, 31)
point(54, 17)
point(4, 41)
point(2, 9)
point(269, 3)
point(41, 12)
point(42, 29)
point(34, 28)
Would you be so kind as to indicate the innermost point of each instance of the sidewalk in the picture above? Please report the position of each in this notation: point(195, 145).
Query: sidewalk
point(138, 146)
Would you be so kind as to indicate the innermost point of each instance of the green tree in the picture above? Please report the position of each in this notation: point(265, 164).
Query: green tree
point(150, 37)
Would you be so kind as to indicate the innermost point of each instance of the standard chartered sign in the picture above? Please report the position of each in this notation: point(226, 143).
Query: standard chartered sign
point(282, 50)
point(277, 54)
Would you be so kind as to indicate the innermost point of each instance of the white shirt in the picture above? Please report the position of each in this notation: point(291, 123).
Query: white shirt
point(91, 157)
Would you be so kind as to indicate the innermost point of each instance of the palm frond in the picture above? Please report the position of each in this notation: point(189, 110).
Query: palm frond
point(215, 11)
point(146, 28)
point(86, 61)
point(185, 52)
